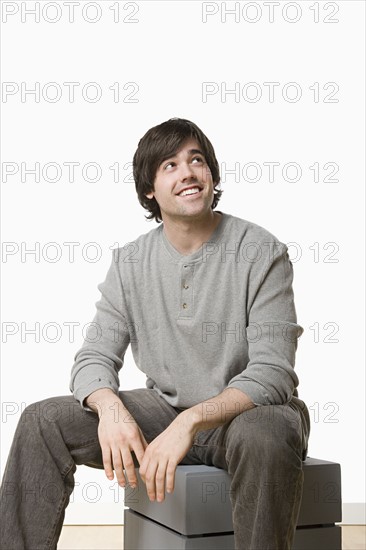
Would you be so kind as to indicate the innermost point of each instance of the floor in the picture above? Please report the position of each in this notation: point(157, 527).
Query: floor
point(110, 537)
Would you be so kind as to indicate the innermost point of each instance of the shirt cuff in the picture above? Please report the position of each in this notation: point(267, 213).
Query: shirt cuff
point(97, 384)
point(252, 389)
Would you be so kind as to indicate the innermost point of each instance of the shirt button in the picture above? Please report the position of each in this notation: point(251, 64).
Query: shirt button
point(185, 286)
point(185, 306)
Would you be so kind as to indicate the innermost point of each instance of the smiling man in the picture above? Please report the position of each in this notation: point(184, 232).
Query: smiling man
point(205, 300)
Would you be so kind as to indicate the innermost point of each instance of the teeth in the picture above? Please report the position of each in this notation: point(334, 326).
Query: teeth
point(189, 191)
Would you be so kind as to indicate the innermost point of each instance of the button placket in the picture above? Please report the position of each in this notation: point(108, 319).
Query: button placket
point(186, 292)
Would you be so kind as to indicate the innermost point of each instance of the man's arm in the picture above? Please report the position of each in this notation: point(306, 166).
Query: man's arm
point(272, 330)
point(219, 410)
point(165, 452)
point(99, 360)
point(95, 382)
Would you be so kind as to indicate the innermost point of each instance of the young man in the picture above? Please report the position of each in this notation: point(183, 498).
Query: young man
point(205, 300)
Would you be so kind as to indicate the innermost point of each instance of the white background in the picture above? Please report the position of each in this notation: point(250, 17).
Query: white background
point(169, 53)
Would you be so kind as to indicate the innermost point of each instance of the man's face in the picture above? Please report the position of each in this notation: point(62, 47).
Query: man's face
point(183, 185)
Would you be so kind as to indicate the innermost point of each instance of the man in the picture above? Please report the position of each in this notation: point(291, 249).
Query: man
point(205, 300)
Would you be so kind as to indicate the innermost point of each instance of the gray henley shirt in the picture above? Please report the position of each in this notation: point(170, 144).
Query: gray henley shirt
point(223, 316)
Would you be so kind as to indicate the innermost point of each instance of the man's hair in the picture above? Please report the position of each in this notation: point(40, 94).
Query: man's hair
point(161, 142)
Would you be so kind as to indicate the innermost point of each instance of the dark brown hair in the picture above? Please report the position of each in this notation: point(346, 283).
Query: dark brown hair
point(161, 142)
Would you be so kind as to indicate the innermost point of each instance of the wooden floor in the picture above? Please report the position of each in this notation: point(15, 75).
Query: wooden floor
point(353, 537)
point(103, 537)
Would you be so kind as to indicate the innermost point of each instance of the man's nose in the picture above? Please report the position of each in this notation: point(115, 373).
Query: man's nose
point(186, 172)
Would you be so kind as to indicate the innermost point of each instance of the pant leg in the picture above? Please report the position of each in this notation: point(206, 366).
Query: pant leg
point(53, 436)
point(262, 450)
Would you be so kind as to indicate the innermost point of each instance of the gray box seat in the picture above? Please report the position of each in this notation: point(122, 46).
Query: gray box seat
point(197, 515)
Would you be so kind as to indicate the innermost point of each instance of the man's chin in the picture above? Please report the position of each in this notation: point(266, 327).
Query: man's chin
point(186, 214)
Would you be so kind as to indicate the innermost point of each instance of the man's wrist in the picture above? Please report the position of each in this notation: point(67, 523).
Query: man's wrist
point(218, 410)
point(103, 399)
point(192, 419)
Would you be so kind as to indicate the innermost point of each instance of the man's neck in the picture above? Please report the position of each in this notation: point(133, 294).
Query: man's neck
point(188, 235)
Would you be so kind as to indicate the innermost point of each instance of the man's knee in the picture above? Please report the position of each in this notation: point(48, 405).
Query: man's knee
point(51, 410)
point(267, 430)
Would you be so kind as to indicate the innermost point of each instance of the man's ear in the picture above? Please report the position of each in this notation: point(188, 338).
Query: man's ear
point(149, 195)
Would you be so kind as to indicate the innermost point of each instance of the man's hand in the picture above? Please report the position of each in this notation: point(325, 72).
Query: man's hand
point(118, 435)
point(164, 453)
point(162, 456)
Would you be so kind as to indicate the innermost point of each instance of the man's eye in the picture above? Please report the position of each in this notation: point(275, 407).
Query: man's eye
point(199, 159)
point(168, 164)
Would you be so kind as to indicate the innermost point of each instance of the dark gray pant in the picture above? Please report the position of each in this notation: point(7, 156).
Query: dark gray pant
point(262, 449)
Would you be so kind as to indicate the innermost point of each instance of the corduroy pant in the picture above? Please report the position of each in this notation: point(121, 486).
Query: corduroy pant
point(262, 449)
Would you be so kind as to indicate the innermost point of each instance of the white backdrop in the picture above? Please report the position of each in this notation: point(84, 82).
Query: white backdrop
point(278, 87)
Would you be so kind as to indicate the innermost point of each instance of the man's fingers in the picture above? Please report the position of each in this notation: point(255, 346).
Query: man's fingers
point(144, 464)
point(160, 482)
point(107, 462)
point(117, 442)
point(118, 467)
point(150, 480)
point(129, 467)
point(139, 450)
point(170, 477)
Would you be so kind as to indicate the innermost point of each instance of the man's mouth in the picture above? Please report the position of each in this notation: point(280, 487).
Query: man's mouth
point(189, 191)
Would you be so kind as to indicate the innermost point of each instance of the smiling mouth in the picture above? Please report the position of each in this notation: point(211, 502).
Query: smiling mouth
point(190, 191)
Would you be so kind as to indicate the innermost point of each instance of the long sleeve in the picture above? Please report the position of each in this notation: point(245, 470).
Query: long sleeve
point(101, 356)
point(272, 332)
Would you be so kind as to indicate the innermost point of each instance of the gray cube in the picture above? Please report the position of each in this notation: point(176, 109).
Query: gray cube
point(198, 513)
